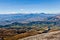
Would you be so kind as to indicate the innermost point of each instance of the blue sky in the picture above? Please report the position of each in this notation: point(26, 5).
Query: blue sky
point(29, 6)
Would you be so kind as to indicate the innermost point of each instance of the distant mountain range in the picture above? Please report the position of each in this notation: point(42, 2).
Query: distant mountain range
point(6, 19)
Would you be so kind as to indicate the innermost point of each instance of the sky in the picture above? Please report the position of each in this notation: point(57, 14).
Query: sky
point(29, 6)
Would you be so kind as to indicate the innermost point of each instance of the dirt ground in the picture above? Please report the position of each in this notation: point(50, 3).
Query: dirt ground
point(45, 36)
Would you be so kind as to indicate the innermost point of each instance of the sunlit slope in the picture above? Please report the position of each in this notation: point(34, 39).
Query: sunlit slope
point(45, 36)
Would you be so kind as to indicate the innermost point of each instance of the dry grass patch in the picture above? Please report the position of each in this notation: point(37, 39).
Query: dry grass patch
point(23, 35)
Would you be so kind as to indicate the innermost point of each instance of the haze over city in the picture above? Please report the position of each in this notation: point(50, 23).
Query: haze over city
point(29, 6)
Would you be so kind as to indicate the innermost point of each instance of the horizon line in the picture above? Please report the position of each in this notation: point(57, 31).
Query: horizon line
point(30, 13)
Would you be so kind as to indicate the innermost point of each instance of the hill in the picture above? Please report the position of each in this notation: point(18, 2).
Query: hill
point(45, 36)
point(23, 18)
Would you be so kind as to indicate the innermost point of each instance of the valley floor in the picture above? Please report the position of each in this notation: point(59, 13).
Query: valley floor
point(45, 36)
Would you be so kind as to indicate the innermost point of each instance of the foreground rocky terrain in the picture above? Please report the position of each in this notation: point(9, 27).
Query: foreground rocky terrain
point(45, 36)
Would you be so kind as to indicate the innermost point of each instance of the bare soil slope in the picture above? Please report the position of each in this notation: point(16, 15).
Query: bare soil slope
point(45, 36)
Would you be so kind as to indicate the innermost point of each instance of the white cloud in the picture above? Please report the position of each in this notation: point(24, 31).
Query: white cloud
point(21, 9)
point(9, 13)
